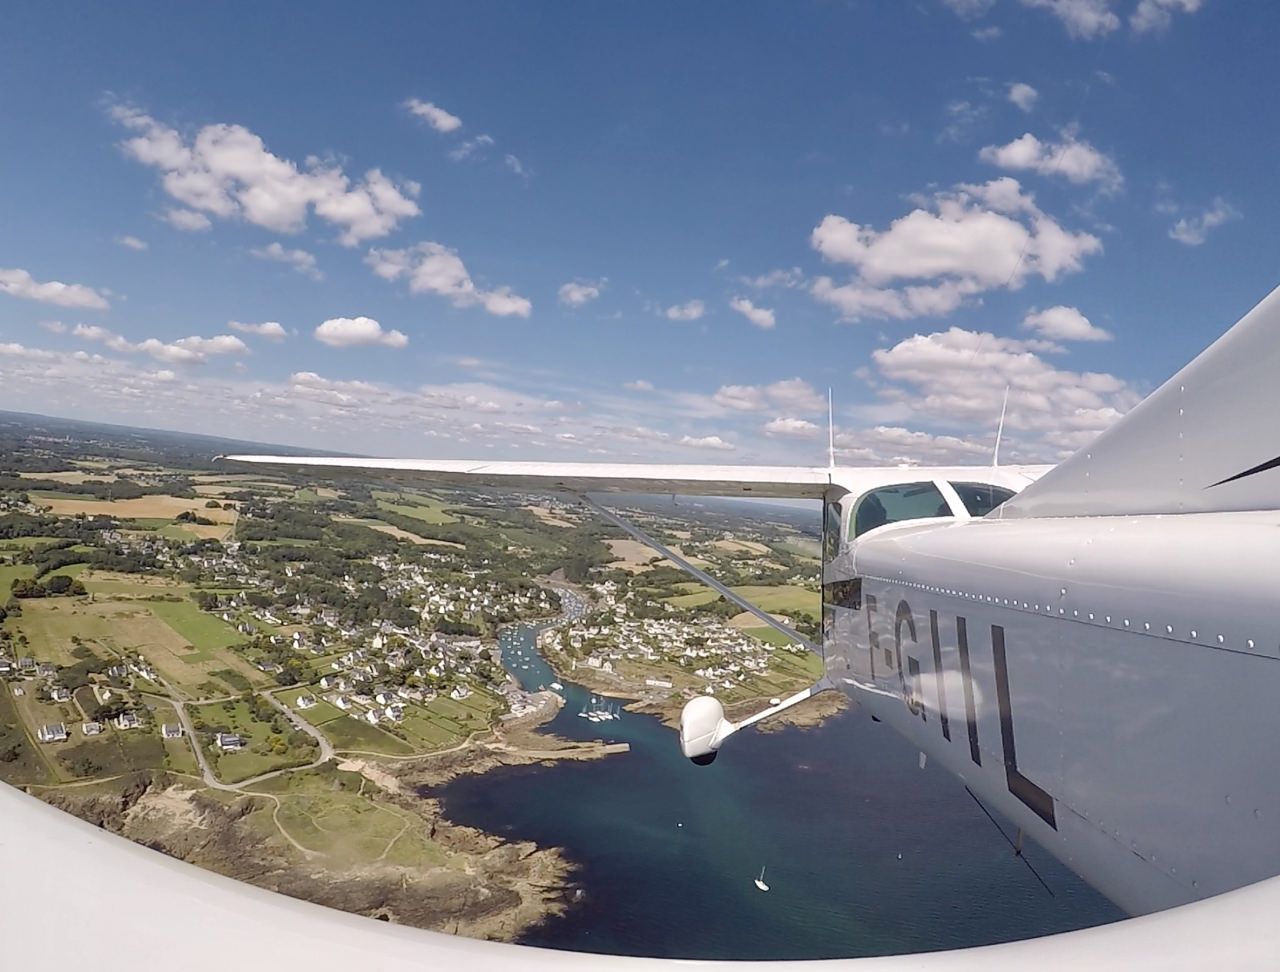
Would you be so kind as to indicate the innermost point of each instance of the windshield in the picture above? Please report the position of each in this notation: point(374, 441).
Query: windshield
point(981, 498)
point(894, 504)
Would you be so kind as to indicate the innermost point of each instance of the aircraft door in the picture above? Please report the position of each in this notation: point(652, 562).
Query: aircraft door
point(841, 592)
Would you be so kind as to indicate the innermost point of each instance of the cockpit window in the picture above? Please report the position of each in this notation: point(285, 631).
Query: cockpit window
point(980, 498)
point(894, 504)
point(832, 519)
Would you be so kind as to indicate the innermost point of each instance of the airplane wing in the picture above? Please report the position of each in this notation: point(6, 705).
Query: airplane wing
point(796, 482)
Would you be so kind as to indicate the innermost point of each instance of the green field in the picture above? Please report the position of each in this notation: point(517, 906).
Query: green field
point(347, 733)
point(205, 631)
point(329, 812)
point(424, 508)
point(235, 766)
point(27, 764)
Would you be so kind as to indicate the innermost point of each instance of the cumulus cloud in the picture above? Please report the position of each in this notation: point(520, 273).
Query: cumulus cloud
point(436, 117)
point(1195, 229)
point(1152, 15)
point(690, 311)
point(301, 261)
point(1063, 324)
point(132, 242)
point(352, 332)
point(974, 239)
point(761, 317)
point(959, 376)
point(19, 283)
point(1023, 95)
point(791, 395)
point(1085, 19)
point(271, 330)
point(1076, 160)
point(577, 293)
point(188, 350)
point(639, 385)
point(791, 428)
point(187, 220)
point(433, 268)
point(706, 442)
point(226, 171)
point(54, 327)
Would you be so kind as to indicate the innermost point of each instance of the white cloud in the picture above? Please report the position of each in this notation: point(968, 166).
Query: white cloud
point(187, 350)
point(985, 34)
point(1157, 14)
point(475, 146)
point(436, 117)
point(962, 117)
point(301, 261)
point(639, 385)
point(791, 428)
point(791, 395)
point(433, 268)
point(1063, 324)
point(775, 278)
point(512, 163)
point(187, 220)
point(958, 377)
point(19, 283)
point(1078, 161)
point(690, 311)
point(1086, 19)
point(351, 332)
point(975, 239)
point(759, 316)
point(579, 292)
point(227, 172)
point(271, 330)
point(54, 327)
point(132, 242)
point(1023, 95)
point(706, 442)
point(1194, 230)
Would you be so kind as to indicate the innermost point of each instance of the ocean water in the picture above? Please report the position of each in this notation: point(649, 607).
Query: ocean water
point(865, 852)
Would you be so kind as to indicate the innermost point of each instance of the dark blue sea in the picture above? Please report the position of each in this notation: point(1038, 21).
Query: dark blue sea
point(865, 853)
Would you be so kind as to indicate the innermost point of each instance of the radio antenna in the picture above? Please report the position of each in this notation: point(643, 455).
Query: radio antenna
point(831, 433)
point(995, 456)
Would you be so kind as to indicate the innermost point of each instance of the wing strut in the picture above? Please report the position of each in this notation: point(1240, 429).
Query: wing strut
point(703, 727)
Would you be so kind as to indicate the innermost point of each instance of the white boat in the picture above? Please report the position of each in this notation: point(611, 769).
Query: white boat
point(760, 881)
point(557, 686)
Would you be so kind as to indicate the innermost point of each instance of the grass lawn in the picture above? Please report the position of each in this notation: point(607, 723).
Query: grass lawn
point(236, 717)
point(108, 583)
point(12, 572)
point(27, 764)
point(355, 734)
point(327, 812)
point(203, 630)
point(770, 636)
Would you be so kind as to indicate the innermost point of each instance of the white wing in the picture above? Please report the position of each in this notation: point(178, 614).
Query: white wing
point(780, 481)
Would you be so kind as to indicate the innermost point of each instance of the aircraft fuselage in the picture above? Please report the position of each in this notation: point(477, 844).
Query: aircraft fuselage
point(1107, 683)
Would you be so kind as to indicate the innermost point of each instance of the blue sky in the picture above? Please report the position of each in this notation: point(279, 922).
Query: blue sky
point(631, 232)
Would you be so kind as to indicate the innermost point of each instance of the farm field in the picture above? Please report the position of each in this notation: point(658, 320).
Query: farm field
point(782, 599)
point(424, 508)
point(205, 631)
point(396, 532)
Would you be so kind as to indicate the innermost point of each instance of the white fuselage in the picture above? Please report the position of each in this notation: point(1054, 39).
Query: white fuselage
point(1108, 683)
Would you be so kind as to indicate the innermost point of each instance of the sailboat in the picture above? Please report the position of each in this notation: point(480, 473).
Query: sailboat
point(760, 881)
